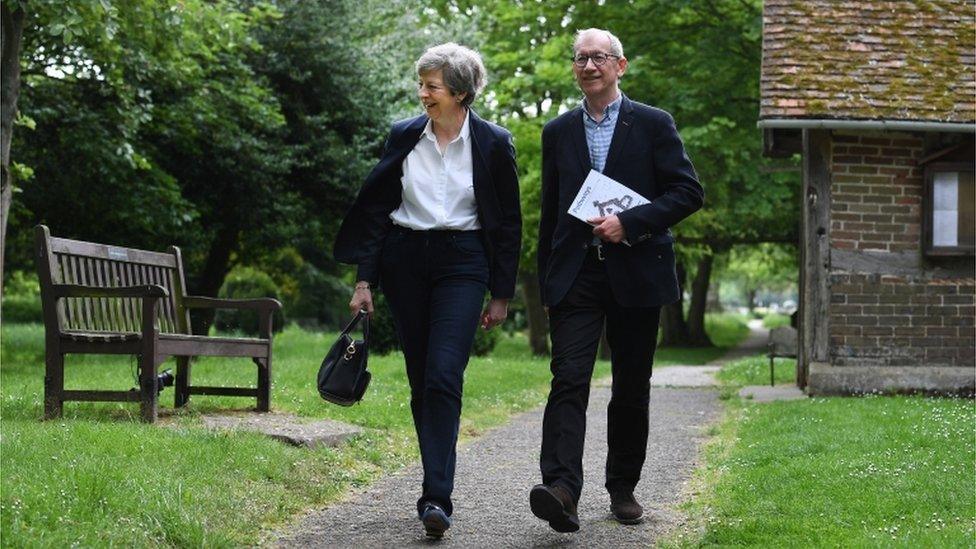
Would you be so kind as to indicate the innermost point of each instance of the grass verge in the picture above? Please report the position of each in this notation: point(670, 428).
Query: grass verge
point(99, 477)
point(852, 472)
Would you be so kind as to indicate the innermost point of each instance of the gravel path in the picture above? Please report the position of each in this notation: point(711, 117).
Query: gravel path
point(496, 471)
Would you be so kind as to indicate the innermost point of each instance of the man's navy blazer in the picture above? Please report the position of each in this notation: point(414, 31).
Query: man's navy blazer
point(647, 155)
point(496, 192)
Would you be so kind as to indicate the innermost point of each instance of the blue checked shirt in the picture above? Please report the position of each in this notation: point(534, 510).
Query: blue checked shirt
point(599, 134)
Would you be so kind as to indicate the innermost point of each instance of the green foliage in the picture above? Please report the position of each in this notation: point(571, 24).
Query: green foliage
point(748, 272)
point(22, 298)
point(485, 341)
point(382, 329)
point(244, 283)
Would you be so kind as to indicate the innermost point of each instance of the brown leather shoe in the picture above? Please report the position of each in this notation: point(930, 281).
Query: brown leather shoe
point(625, 508)
point(554, 504)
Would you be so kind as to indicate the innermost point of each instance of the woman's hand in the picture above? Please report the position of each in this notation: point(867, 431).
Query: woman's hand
point(495, 313)
point(362, 298)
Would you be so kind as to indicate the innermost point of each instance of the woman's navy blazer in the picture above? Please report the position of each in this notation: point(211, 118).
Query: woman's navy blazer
point(496, 192)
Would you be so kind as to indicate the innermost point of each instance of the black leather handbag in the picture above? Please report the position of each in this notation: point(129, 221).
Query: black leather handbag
point(343, 377)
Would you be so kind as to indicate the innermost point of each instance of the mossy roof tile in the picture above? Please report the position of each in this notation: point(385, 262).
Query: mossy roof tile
point(879, 60)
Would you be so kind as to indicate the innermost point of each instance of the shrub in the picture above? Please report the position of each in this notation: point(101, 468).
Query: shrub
point(485, 341)
point(244, 283)
point(382, 330)
point(22, 298)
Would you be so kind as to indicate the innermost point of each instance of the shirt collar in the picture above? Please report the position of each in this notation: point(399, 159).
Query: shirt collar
point(612, 108)
point(462, 135)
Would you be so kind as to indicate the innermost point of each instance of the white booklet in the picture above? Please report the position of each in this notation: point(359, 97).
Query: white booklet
point(602, 196)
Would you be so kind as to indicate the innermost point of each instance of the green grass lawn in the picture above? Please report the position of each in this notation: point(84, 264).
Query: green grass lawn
point(100, 477)
point(834, 472)
point(775, 320)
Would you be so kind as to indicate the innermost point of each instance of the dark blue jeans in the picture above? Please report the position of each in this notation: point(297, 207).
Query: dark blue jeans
point(435, 284)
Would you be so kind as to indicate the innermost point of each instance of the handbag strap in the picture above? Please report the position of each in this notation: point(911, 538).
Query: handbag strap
point(361, 316)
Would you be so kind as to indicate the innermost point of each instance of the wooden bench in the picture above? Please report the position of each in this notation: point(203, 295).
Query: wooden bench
point(100, 299)
point(782, 343)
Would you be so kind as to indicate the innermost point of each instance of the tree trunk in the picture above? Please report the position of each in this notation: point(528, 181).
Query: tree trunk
point(212, 277)
point(699, 297)
point(751, 298)
point(535, 314)
point(674, 330)
point(13, 32)
point(714, 304)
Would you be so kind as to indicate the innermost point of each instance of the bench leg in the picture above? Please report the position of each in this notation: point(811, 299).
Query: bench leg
point(772, 380)
point(182, 381)
point(264, 383)
point(53, 385)
point(147, 388)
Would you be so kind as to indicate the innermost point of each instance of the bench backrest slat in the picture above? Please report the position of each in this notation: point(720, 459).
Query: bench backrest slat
point(99, 265)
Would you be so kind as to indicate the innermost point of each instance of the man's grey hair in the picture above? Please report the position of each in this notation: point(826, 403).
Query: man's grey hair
point(616, 47)
point(462, 68)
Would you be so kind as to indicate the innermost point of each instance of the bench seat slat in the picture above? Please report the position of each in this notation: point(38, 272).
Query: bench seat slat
point(194, 345)
point(101, 337)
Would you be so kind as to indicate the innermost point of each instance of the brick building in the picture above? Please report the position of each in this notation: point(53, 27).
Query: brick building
point(879, 98)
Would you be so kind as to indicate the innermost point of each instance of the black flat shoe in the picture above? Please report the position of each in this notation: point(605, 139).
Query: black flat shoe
point(555, 505)
point(435, 520)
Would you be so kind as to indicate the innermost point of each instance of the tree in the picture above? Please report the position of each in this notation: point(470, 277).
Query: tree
point(13, 17)
point(770, 267)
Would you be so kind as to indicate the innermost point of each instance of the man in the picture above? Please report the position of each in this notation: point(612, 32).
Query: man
point(619, 271)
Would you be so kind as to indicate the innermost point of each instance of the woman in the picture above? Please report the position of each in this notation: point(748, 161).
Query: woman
point(437, 223)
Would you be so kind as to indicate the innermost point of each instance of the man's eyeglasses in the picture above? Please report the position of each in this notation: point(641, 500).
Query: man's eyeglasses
point(599, 59)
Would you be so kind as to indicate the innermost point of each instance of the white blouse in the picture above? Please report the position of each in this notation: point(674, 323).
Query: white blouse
point(438, 187)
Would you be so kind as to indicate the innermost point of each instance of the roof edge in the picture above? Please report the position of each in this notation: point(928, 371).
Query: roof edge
point(892, 125)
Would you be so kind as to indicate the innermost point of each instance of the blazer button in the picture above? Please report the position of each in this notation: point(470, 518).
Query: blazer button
point(660, 256)
point(585, 245)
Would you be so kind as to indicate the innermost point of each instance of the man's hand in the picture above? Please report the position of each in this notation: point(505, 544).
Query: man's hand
point(608, 228)
point(495, 313)
point(362, 298)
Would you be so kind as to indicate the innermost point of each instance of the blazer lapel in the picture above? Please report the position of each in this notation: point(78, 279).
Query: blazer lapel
point(579, 139)
point(479, 153)
point(625, 120)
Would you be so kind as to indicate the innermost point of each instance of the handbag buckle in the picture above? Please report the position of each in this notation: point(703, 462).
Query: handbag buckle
point(350, 350)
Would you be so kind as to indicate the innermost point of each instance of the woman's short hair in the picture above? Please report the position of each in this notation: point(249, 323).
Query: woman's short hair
point(462, 69)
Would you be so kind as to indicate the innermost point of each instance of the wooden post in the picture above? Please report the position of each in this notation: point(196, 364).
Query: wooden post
point(266, 321)
point(182, 391)
point(814, 253)
point(148, 360)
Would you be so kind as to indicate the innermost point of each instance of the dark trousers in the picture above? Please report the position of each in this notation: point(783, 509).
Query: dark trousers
point(435, 284)
point(576, 324)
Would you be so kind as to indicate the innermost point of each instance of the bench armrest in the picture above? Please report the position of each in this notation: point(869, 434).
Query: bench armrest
point(75, 290)
point(259, 304)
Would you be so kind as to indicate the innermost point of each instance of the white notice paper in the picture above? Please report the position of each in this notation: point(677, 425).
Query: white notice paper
point(602, 196)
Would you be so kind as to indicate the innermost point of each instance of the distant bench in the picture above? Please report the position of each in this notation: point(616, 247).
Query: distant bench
point(782, 343)
point(100, 299)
